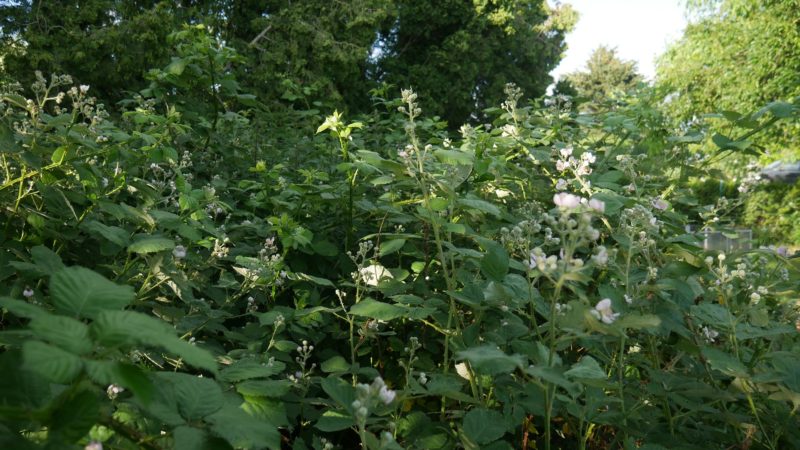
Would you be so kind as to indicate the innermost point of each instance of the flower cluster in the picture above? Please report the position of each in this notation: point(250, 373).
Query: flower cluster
point(370, 396)
point(580, 166)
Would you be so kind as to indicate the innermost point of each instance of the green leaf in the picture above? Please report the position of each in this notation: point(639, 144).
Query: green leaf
point(725, 363)
point(84, 293)
point(495, 262)
point(74, 417)
point(70, 334)
point(151, 244)
point(614, 202)
point(336, 364)
point(391, 246)
point(587, 368)
point(242, 430)
point(176, 66)
point(339, 390)
point(249, 369)
point(377, 310)
point(130, 377)
point(264, 388)
point(46, 259)
point(189, 438)
point(50, 362)
point(21, 309)
point(638, 321)
point(483, 426)
point(453, 157)
point(197, 397)
point(480, 205)
point(726, 143)
point(334, 421)
point(58, 155)
point(490, 360)
point(713, 315)
point(112, 234)
point(316, 280)
point(125, 328)
point(782, 110)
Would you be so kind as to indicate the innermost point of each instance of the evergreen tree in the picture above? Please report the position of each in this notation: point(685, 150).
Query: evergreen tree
point(459, 55)
point(605, 75)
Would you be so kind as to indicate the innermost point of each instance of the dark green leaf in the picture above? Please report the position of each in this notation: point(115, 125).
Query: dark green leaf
point(491, 360)
point(50, 362)
point(83, 293)
point(483, 426)
point(495, 263)
point(377, 310)
point(65, 332)
point(334, 421)
point(151, 244)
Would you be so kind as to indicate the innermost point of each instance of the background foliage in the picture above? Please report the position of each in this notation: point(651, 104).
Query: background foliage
point(207, 265)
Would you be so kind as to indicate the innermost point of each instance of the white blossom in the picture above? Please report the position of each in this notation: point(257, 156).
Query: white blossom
point(602, 311)
point(659, 204)
point(567, 201)
point(387, 395)
point(373, 274)
point(179, 252)
point(597, 205)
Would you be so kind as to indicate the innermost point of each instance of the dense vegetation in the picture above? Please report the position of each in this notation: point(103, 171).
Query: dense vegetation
point(208, 255)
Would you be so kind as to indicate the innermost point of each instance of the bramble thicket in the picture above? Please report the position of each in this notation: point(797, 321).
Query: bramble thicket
point(315, 225)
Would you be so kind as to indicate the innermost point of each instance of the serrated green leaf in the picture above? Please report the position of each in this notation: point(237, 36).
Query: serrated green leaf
point(480, 205)
point(249, 369)
point(335, 364)
point(65, 332)
point(490, 360)
point(377, 310)
point(125, 328)
point(494, 263)
point(74, 417)
point(586, 368)
point(483, 426)
point(391, 246)
point(197, 397)
point(339, 390)
point(334, 421)
point(725, 363)
point(264, 388)
point(716, 316)
point(80, 292)
point(116, 235)
point(189, 438)
point(638, 321)
point(242, 430)
point(50, 362)
point(453, 157)
point(21, 309)
point(47, 259)
point(151, 244)
point(176, 66)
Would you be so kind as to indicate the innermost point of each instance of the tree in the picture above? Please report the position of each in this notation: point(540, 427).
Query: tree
point(605, 75)
point(307, 50)
point(737, 55)
point(459, 55)
point(106, 44)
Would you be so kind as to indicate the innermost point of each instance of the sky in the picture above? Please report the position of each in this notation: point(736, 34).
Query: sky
point(639, 29)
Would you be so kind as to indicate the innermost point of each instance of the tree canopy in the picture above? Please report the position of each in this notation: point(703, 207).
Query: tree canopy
point(605, 75)
point(456, 54)
point(736, 55)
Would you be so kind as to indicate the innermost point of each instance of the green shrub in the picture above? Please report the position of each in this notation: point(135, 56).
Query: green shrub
point(168, 283)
